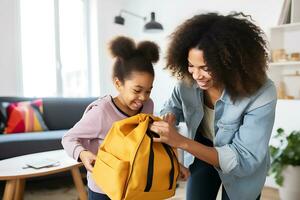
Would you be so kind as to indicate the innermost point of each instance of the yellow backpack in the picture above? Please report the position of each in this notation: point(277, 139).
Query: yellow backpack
point(130, 165)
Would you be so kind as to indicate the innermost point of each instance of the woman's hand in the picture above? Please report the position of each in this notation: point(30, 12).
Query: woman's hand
point(184, 173)
point(88, 159)
point(168, 134)
point(170, 118)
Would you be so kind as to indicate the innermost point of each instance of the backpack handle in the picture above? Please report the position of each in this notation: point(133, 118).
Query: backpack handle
point(150, 164)
point(170, 152)
point(171, 155)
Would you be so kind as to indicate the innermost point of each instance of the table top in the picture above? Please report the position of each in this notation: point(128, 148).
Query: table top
point(13, 168)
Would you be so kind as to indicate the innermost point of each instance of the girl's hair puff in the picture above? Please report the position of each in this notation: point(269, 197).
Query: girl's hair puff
point(132, 58)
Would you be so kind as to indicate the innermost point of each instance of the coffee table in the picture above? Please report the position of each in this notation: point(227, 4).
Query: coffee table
point(12, 170)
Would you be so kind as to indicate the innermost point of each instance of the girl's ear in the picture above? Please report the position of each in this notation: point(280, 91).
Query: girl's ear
point(117, 83)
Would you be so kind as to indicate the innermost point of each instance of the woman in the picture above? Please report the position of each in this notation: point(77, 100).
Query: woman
point(227, 102)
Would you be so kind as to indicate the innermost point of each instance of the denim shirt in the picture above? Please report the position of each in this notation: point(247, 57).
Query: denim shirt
point(242, 132)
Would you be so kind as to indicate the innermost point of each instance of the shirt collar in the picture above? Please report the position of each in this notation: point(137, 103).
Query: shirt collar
point(226, 98)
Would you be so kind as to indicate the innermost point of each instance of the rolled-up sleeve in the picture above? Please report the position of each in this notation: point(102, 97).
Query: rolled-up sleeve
point(227, 158)
point(249, 146)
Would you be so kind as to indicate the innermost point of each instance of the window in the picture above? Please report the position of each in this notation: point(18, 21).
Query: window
point(54, 35)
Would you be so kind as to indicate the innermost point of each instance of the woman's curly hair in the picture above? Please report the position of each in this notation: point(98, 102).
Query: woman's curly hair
point(234, 49)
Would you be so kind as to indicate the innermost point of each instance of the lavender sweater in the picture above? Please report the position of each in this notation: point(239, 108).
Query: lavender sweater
point(89, 132)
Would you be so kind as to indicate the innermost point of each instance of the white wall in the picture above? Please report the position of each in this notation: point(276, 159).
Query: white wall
point(107, 30)
point(10, 74)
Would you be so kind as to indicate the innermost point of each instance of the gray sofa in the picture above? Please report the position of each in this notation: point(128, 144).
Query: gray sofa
point(60, 114)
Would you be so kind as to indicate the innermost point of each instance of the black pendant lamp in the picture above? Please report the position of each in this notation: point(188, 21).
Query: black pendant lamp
point(153, 26)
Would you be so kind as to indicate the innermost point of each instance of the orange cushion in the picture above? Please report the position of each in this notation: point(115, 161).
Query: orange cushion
point(25, 116)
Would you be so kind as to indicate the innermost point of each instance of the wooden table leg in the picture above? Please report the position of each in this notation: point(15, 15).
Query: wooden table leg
point(78, 183)
point(9, 190)
point(19, 191)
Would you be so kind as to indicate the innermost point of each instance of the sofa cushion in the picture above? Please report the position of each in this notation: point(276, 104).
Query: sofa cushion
point(63, 113)
point(20, 144)
point(25, 116)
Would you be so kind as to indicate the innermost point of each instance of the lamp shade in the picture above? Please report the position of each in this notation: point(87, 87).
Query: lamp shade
point(119, 20)
point(153, 26)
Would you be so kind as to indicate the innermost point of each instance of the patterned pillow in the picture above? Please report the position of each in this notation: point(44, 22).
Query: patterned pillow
point(25, 116)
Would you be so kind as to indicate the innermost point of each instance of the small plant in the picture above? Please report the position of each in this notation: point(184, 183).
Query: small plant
point(286, 153)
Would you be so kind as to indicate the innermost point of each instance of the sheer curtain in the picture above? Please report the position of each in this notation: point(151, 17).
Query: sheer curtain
point(54, 39)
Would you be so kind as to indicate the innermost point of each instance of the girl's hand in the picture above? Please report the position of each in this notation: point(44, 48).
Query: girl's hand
point(88, 159)
point(168, 134)
point(184, 173)
point(170, 118)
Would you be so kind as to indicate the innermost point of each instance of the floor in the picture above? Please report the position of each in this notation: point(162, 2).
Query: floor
point(64, 189)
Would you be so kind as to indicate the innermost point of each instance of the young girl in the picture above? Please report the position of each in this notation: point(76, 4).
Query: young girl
point(133, 77)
